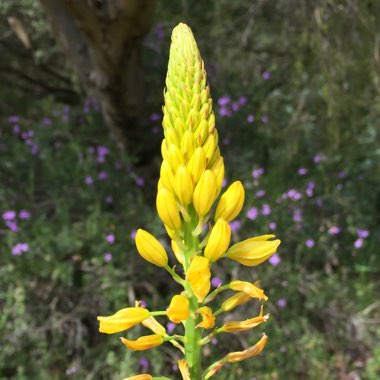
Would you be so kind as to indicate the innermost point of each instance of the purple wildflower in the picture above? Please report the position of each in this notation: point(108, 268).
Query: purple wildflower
point(108, 199)
point(170, 327)
point(281, 303)
point(250, 118)
point(110, 238)
point(224, 112)
point(144, 364)
point(334, 230)
point(70, 371)
point(216, 281)
point(133, 234)
point(9, 215)
point(264, 119)
point(362, 233)
point(252, 213)
point(309, 243)
point(235, 107)
point(226, 141)
point(266, 75)
point(224, 183)
point(265, 210)
point(214, 341)
point(257, 173)
point(14, 119)
point(12, 225)
point(297, 215)
point(224, 100)
point(107, 257)
point(154, 116)
point(88, 180)
point(302, 171)
point(140, 182)
point(272, 226)
point(24, 214)
point(243, 100)
point(318, 158)
point(16, 129)
point(235, 225)
point(20, 248)
point(260, 193)
point(359, 243)
point(275, 260)
point(102, 176)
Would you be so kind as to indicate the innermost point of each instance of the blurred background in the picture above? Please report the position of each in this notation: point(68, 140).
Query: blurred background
point(296, 88)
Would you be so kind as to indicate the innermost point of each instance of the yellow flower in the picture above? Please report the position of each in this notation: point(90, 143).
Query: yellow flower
point(152, 324)
point(208, 318)
point(231, 202)
point(144, 342)
point(122, 320)
point(253, 251)
point(140, 377)
point(167, 209)
point(198, 276)
point(235, 326)
point(178, 309)
point(177, 251)
point(150, 248)
point(218, 241)
point(248, 288)
point(234, 301)
point(235, 357)
point(204, 193)
point(184, 369)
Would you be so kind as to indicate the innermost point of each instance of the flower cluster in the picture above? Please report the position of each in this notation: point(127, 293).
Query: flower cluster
point(190, 183)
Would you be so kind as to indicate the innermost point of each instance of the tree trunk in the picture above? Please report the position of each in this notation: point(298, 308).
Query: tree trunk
point(102, 40)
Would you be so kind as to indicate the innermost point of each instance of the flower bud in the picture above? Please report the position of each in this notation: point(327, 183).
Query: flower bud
point(150, 248)
point(167, 209)
point(177, 252)
point(235, 357)
point(152, 324)
point(251, 289)
point(197, 164)
point(204, 193)
point(236, 326)
point(237, 299)
point(183, 186)
point(218, 170)
point(209, 147)
point(231, 202)
point(218, 241)
point(167, 176)
point(199, 276)
point(178, 309)
point(201, 132)
point(175, 158)
point(188, 145)
point(122, 320)
point(144, 342)
point(253, 251)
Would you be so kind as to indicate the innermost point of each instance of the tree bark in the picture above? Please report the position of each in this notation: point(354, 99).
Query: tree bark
point(102, 40)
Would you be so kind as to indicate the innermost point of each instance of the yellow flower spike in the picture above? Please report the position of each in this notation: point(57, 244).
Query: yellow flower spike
point(184, 369)
point(218, 241)
point(183, 186)
point(144, 342)
point(231, 202)
point(198, 275)
point(167, 176)
point(237, 299)
point(144, 376)
point(253, 251)
point(235, 357)
point(208, 318)
point(197, 164)
point(167, 209)
point(152, 324)
point(178, 309)
point(175, 158)
point(235, 326)
point(204, 193)
point(177, 252)
point(248, 288)
point(150, 248)
point(122, 320)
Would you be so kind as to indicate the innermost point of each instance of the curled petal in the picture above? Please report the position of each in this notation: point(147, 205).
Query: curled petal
point(144, 342)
